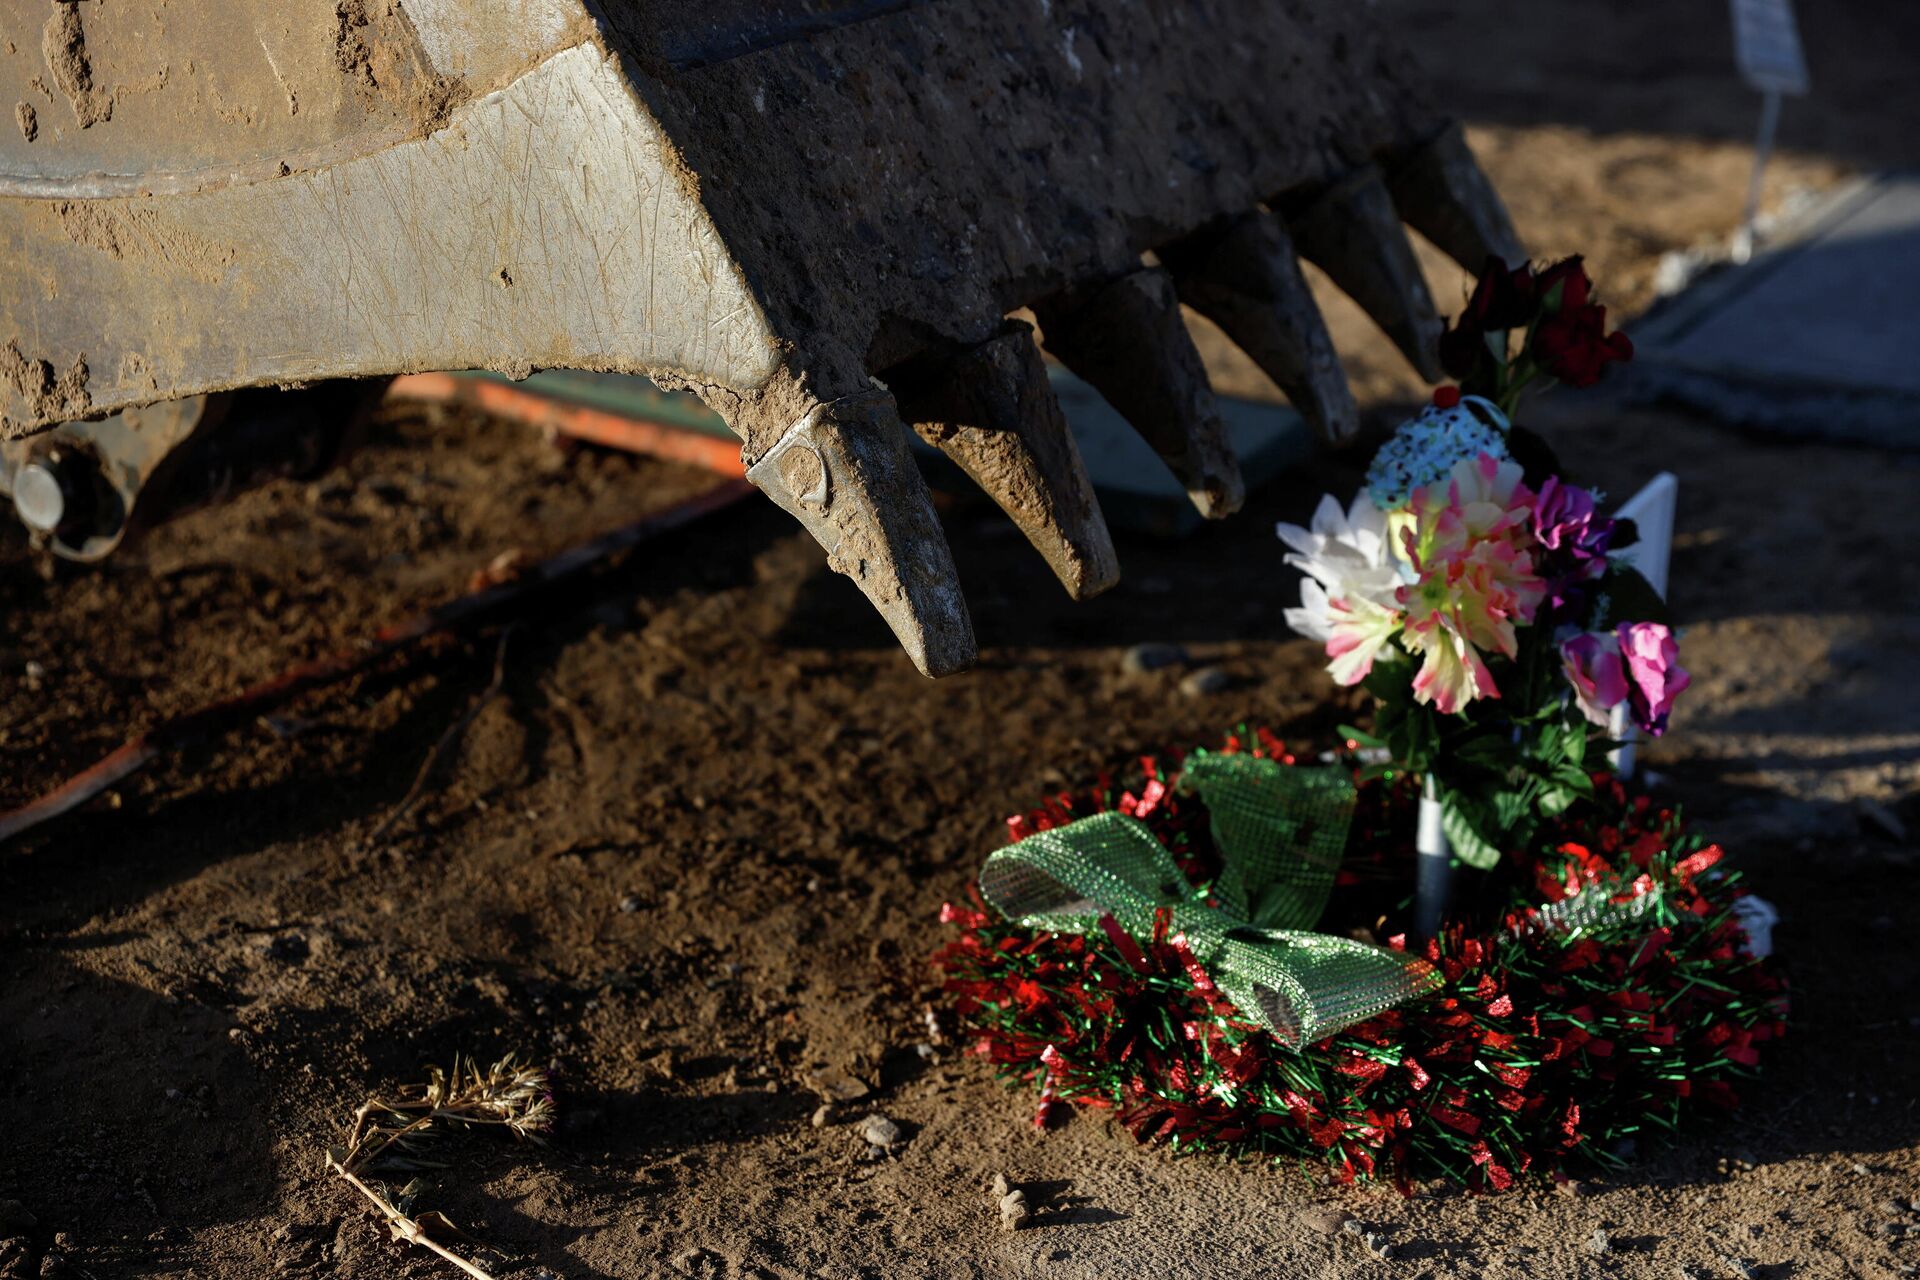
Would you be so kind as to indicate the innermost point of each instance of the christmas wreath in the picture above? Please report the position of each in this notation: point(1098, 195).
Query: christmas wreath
point(1227, 956)
point(1600, 990)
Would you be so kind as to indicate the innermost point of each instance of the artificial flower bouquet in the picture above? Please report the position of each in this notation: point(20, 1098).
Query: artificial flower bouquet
point(1477, 594)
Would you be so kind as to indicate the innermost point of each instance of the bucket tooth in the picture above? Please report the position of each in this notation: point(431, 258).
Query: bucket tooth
point(991, 410)
point(844, 472)
point(1245, 278)
point(1128, 340)
point(1441, 192)
point(1352, 232)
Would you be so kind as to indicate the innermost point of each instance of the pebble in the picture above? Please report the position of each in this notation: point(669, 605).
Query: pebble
point(1142, 658)
point(629, 905)
point(880, 1131)
point(35, 672)
point(1376, 1244)
point(1740, 1268)
point(1014, 1210)
point(1001, 1187)
point(1599, 1244)
point(1204, 682)
point(823, 1115)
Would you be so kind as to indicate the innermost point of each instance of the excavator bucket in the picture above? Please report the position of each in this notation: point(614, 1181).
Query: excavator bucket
point(815, 214)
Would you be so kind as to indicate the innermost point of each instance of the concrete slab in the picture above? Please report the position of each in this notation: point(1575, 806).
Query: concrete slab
point(1819, 335)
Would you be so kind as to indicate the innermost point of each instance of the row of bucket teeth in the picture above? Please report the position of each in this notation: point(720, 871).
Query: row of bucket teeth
point(844, 471)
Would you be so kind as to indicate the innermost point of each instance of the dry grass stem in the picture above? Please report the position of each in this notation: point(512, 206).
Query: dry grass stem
point(395, 1133)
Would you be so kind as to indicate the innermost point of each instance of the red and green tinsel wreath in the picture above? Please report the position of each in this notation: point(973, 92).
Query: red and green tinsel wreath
point(1556, 1036)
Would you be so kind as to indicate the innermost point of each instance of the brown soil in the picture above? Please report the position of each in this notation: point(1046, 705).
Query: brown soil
point(694, 851)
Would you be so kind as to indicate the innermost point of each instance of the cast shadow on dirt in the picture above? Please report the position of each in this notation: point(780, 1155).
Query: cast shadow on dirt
point(316, 772)
point(170, 1120)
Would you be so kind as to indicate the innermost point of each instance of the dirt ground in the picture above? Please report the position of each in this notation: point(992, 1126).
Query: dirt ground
point(693, 853)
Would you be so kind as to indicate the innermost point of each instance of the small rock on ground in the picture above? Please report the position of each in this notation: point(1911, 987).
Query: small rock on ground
point(880, 1131)
point(1142, 658)
point(823, 1115)
point(1001, 1187)
point(1205, 681)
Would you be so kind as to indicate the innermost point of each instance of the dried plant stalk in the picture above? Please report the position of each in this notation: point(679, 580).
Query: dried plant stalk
point(395, 1132)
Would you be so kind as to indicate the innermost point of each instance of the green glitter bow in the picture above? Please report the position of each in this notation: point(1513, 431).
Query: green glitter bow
point(1281, 832)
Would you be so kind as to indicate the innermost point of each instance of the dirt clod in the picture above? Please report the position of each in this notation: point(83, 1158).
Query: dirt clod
point(837, 1086)
point(28, 120)
point(1001, 1187)
point(1374, 1242)
point(64, 44)
point(1325, 1218)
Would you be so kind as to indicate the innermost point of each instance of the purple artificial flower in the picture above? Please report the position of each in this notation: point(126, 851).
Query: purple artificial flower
point(1575, 539)
point(1654, 675)
point(1591, 662)
point(1565, 521)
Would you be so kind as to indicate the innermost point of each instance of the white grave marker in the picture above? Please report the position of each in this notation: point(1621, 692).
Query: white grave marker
point(1766, 43)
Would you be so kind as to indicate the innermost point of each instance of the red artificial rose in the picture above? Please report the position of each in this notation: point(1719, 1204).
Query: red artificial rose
point(1502, 298)
point(1570, 276)
point(1574, 345)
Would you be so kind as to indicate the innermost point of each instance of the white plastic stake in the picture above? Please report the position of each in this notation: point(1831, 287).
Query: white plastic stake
point(1652, 510)
point(1433, 880)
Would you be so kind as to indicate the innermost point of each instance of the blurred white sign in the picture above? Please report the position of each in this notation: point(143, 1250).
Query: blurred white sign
point(1766, 42)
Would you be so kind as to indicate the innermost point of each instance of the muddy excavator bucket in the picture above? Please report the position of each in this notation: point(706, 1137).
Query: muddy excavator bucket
point(816, 214)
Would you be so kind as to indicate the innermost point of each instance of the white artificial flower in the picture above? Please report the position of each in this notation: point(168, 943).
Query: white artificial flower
point(1346, 557)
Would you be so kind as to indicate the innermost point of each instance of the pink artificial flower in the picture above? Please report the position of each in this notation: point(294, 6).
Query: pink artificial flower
point(1358, 630)
point(1452, 673)
point(1476, 581)
point(1482, 497)
point(1593, 666)
point(1655, 677)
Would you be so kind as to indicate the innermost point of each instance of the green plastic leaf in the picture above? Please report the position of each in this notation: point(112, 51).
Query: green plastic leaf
point(1348, 733)
point(1468, 844)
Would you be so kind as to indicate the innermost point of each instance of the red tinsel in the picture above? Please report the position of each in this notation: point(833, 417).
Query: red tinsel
point(1544, 1044)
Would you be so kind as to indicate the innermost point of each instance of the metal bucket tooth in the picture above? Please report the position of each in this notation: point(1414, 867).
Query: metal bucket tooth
point(844, 472)
point(1352, 232)
point(991, 410)
point(1245, 278)
point(1442, 192)
point(1128, 340)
